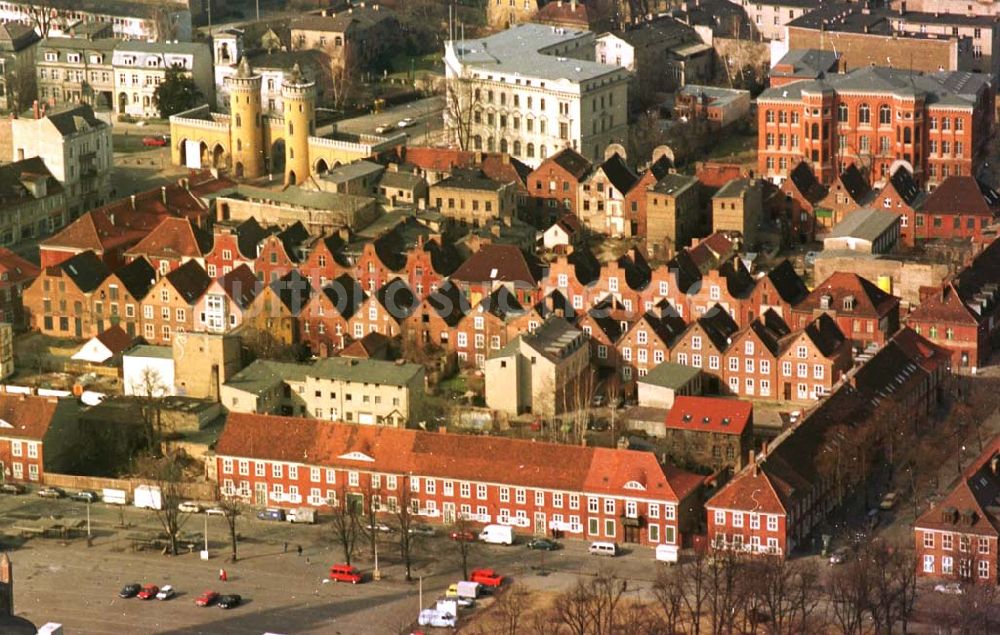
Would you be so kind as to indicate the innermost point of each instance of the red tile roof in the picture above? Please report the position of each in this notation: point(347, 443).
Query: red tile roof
point(16, 268)
point(751, 490)
point(440, 455)
point(25, 416)
point(497, 166)
point(564, 13)
point(502, 263)
point(970, 507)
point(869, 300)
point(710, 414)
point(715, 175)
point(174, 237)
point(116, 339)
point(962, 195)
point(928, 355)
point(94, 231)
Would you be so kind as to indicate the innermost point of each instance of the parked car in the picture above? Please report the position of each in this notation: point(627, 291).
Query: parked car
point(148, 592)
point(486, 577)
point(229, 601)
point(51, 492)
point(215, 510)
point(13, 488)
point(888, 501)
point(207, 598)
point(839, 556)
point(130, 590)
point(386, 529)
point(386, 127)
point(543, 544)
point(598, 425)
point(435, 618)
point(155, 141)
point(271, 514)
point(463, 536)
point(422, 530)
point(405, 123)
point(85, 496)
point(166, 593)
point(951, 588)
point(345, 573)
point(190, 507)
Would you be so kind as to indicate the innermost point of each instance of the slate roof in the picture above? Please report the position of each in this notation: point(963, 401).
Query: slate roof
point(719, 326)
point(190, 281)
point(805, 181)
point(249, 233)
point(586, 267)
point(450, 304)
point(825, 334)
point(501, 263)
point(902, 181)
point(787, 283)
point(294, 291)
point(770, 330)
point(637, 270)
point(241, 285)
point(573, 162)
point(85, 269)
point(138, 277)
point(805, 63)
point(12, 189)
point(345, 294)
point(397, 298)
point(619, 173)
point(70, 121)
point(502, 303)
point(464, 179)
point(452, 456)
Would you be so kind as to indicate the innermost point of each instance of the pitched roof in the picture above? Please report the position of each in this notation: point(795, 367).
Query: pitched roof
point(869, 300)
point(865, 223)
point(619, 173)
point(397, 298)
point(636, 268)
point(709, 414)
point(573, 162)
point(855, 183)
point(670, 375)
point(241, 285)
point(345, 294)
point(372, 346)
point(718, 325)
point(805, 181)
point(501, 263)
point(502, 302)
point(440, 455)
point(450, 304)
point(95, 231)
point(970, 507)
point(922, 351)
point(85, 269)
point(70, 121)
point(190, 281)
point(174, 237)
point(962, 195)
point(14, 177)
point(825, 334)
point(16, 268)
point(249, 233)
point(787, 283)
point(138, 277)
point(770, 330)
point(115, 339)
point(294, 291)
point(26, 416)
point(902, 181)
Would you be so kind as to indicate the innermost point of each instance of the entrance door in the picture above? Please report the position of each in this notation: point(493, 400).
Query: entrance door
point(539, 523)
point(260, 494)
point(631, 534)
point(449, 513)
point(788, 391)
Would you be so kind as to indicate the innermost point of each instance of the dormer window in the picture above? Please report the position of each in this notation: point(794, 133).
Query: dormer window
point(73, 58)
point(824, 301)
point(849, 303)
point(51, 56)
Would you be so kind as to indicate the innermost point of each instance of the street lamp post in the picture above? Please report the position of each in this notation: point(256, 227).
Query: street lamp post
point(376, 574)
point(206, 536)
point(88, 522)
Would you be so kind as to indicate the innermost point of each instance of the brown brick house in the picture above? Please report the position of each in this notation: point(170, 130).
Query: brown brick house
point(494, 266)
point(325, 319)
point(169, 306)
point(383, 311)
point(779, 290)
point(803, 193)
point(647, 342)
point(496, 320)
point(276, 309)
point(58, 302)
point(812, 360)
point(866, 314)
point(16, 274)
point(172, 242)
point(280, 253)
point(714, 432)
point(554, 185)
point(752, 357)
point(707, 336)
point(118, 299)
point(729, 286)
point(432, 322)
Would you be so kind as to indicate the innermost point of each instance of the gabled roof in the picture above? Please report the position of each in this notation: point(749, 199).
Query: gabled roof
point(249, 233)
point(619, 173)
point(444, 256)
point(26, 416)
point(667, 325)
point(16, 268)
point(636, 268)
point(94, 231)
point(397, 298)
point(502, 303)
point(586, 267)
point(372, 346)
point(670, 375)
point(739, 282)
point(70, 121)
point(499, 263)
point(292, 238)
point(294, 291)
point(805, 181)
point(855, 183)
point(825, 334)
point(115, 339)
point(450, 304)
point(138, 277)
point(345, 294)
point(922, 351)
point(869, 300)
point(190, 281)
point(85, 269)
point(770, 330)
point(787, 283)
point(719, 326)
point(573, 162)
point(716, 415)
point(944, 306)
point(902, 182)
point(962, 195)
point(751, 489)
point(970, 507)
point(174, 237)
point(685, 270)
point(439, 455)
point(241, 285)
point(14, 177)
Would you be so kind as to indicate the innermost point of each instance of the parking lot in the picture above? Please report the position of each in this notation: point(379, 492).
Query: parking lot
point(425, 129)
point(65, 581)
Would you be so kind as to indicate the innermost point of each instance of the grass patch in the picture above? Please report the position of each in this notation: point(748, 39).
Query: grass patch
point(735, 146)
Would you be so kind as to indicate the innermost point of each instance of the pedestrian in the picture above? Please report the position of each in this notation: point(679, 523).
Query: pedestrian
point(286, 548)
point(225, 576)
point(299, 549)
point(222, 574)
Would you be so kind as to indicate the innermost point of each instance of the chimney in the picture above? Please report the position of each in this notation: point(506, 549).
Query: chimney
point(34, 108)
point(163, 194)
point(902, 8)
point(132, 199)
point(753, 462)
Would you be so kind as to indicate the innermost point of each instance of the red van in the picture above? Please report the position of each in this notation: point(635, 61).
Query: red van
point(345, 573)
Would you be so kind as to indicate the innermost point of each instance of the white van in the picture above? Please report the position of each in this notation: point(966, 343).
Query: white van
point(604, 549)
point(497, 535)
point(667, 553)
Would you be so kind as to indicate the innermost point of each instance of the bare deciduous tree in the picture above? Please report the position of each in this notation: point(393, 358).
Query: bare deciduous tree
point(465, 541)
point(167, 474)
point(463, 101)
point(592, 606)
point(405, 520)
point(346, 522)
point(232, 507)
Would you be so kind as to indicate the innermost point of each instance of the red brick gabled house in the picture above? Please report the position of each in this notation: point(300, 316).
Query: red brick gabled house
point(903, 196)
point(16, 274)
point(381, 260)
point(169, 306)
point(672, 282)
point(234, 245)
point(625, 279)
point(494, 266)
point(574, 276)
point(648, 341)
point(960, 207)
point(384, 311)
point(94, 231)
point(850, 191)
point(604, 332)
point(866, 314)
point(428, 264)
point(957, 538)
point(707, 337)
point(635, 198)
point(37, 434)
point(280, 253)
point(223, 304)
point(172, 243)
point(325, 319)
point(276, 308)
point(490, 325)
point(803, 192)
point(751, 362)
point(728, 286)
point(963, 315)
point(58, 302)
point(118, 299)
point(779, 290)
point(812, 360)
point(554, 184)
point(587, 493)
point(325, 261)
point(432, 322)
point(750, 514)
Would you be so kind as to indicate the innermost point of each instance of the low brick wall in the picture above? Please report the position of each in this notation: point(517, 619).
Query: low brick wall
point(196, 491)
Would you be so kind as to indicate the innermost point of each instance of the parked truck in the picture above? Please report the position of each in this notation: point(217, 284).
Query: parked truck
point(147, 497)
point(114, 496)
point(497, 535)
point(301, 515)
point(464, 589)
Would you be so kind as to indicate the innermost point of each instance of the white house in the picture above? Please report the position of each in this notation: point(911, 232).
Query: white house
point(105, 347)
point(149, 369)
point(564, 232)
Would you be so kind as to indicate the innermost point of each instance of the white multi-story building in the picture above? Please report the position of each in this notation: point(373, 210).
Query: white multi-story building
point(140, 20)
point(533, 90)
point(76, 148)
point(140, 67)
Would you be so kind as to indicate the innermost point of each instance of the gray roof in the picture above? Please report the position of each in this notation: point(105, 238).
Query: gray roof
point(178, 48)
point(528, 49)
point(145, 350)
point(401, 180)
point(674, 184)
point(866, 224)
point(553, 339)
point(732, 189)
point(78, 44)
point(351, 171)
point(302, 198)
point(670, 375)
point(264, 374)
point(806, 63)
point(950, 88)
point(718, 96)
point(70, 121)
